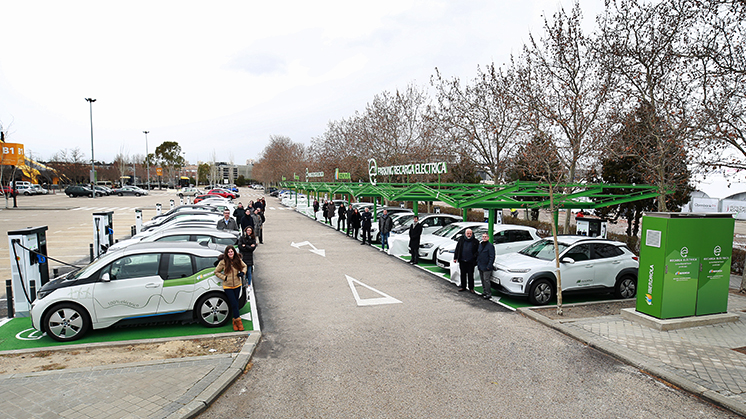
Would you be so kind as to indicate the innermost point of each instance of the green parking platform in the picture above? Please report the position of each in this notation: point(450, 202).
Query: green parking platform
point(19, 334)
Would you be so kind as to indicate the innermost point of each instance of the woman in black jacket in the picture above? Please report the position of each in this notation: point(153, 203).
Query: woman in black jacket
point(246, 246)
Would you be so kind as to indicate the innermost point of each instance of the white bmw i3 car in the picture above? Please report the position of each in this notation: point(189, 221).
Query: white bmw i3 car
point(142, 281)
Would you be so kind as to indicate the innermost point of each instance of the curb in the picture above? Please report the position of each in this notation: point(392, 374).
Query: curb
point(203, 400)
point(655, 369)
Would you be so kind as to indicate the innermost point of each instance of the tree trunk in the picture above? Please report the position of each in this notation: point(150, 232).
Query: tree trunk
point(742, 288)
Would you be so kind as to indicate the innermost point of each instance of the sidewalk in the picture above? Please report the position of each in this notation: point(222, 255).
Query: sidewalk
point(702, 360)
point(173, 388)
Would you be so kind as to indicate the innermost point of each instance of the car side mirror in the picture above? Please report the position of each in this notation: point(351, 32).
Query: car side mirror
point(105, 277)
point(567, 260)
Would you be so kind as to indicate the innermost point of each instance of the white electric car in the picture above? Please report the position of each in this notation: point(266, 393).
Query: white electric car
point(586, 264)
point(507, 238)
point(173, 280)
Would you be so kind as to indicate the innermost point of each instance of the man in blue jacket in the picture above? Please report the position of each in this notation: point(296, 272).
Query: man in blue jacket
point(485, 262)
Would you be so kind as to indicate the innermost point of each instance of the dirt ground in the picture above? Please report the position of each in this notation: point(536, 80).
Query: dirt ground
point(62, 359)
point(587, 310)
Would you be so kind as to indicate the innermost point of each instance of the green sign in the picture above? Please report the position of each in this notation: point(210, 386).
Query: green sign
point(341, 175)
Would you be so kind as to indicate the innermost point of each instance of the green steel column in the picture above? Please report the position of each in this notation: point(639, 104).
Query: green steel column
point(555, 218)
point(465, 213)
point(490, 224)
point(375, 211)
point(415, 208)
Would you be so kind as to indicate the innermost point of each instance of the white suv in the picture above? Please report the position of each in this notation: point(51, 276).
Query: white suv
point(586, 264)
point(173, 280)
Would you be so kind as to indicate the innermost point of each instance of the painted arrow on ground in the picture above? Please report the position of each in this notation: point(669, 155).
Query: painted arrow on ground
point(320, 252)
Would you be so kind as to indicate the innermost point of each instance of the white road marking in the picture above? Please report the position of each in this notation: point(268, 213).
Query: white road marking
point(386, 299)
point(320, 252)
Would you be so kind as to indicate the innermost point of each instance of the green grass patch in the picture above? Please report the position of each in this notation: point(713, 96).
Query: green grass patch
point(21, 325)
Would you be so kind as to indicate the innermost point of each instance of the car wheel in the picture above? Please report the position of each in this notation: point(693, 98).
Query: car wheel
point(71, 195)
point(213, 310)
point(541, 292)
point(90, 195)
point(626, 287)
point(137, 194)
point(120, 194)
point(26, 193)
point(66, 322)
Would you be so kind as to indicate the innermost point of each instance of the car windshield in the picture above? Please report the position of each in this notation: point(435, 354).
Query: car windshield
point(448, 230)
point(404, 220)
point(91, 267)
point(543, 249)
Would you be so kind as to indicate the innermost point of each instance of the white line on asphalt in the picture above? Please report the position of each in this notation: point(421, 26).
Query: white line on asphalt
point(58, 231)
point(386, 299)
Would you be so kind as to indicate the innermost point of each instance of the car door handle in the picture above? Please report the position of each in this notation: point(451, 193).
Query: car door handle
point(152, 285)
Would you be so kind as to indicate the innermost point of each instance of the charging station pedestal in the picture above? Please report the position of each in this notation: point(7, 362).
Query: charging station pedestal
point(591, 227)
point(158, 209)
point(172, 205)
point(181, 200)
point(29, 271)
point(103, 232)
point(138, 221)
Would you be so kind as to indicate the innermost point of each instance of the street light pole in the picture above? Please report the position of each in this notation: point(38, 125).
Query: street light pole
point(147, 160)
point(93, 167)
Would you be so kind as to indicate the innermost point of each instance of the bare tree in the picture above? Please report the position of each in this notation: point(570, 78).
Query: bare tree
point(281, 157)
point(120, 162)
point(482, 118)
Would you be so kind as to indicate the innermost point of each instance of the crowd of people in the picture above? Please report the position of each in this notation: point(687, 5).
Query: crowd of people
point(236, 271)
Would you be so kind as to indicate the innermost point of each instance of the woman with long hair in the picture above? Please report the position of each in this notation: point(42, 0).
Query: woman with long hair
point(231, 270)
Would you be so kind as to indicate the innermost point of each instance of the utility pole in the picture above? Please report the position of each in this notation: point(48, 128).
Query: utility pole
point(93, 167)
point(147, 160)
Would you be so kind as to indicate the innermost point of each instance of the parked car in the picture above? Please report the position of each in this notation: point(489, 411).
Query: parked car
point(507, 238)
point(103, 189)
point(223, 192)
point(201, 235)
point(189, 192)
point(395, 217)
point(189, 208)
point(38, 190)
point(430, 243)
point(586, 264)
point(25, 190)
point(173, 281)
point(190, 215)
point(80, 190)
point(129, 190)
point(399, 238)
point(7, 190)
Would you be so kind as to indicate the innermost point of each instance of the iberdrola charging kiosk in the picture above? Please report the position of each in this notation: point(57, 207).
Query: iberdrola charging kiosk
point(684, 264)
point(103, 232)
point(29, 267)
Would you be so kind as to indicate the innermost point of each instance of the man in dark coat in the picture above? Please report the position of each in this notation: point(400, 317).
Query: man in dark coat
point(485, 262)
point(350, 213)
point(466, 257)
point(324, 207)
point(238, 213)
point(415, 232)
point(385, 224)
point(247, 221)
point(315, 208)
point(367, 221)
point(331, 209)
point(341, 216)
point(355, 221)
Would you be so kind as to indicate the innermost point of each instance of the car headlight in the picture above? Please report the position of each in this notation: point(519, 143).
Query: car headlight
point(42, 293)
point(426, 245)
point(519, 271)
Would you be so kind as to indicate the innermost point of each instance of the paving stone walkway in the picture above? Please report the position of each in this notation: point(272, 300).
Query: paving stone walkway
point(699, 359)
point(154, 389)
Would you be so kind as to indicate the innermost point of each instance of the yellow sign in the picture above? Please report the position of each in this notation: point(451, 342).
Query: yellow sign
point(159, 171)
point(12, 154)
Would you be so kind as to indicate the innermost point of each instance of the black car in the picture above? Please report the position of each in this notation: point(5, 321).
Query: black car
point(80, 190)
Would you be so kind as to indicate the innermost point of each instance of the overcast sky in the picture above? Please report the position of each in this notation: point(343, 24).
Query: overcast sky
point(224, 76)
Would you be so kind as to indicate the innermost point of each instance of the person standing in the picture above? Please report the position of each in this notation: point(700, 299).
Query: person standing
point(238, 213)
point(350, 212)
point(324, 206)
point(247, 245)
point(485, 262)
point(355, 221)
point(227, 223)
point(385, 224)
point(341, 216)
point(247, 220)
point(315, 207)
point(231, 270)
point(256, 217)
point(466, 257)
point(330, 211)
point(415, 232)
point(367, 222)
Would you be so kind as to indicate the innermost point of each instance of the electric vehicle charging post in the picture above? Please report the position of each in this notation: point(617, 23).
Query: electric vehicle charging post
point(172, 205)
point(29, 268)
point(158, 209)
point(138, 221)
point(103, 232)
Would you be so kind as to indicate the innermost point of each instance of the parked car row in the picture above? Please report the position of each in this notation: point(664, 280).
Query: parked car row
point(166, 272)
point(87, 190)
point(525, 263)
